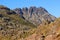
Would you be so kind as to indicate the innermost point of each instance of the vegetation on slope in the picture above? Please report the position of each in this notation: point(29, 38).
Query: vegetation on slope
point(12, 26)
point(47, 31)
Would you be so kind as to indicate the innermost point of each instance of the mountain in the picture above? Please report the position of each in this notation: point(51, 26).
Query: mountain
point(22, 24)
point(35, 15)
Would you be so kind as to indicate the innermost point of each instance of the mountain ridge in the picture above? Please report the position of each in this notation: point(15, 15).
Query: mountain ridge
point(35, 15)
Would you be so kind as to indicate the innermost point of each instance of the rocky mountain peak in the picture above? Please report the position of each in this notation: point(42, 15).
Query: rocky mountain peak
point(43, 9)
point(25, 9)
point(35, 15)
point(18, 10)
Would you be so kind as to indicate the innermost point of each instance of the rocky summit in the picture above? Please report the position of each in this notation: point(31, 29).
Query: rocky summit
point(35, 15)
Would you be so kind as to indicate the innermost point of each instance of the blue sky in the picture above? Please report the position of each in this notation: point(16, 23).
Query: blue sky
point(53, 6)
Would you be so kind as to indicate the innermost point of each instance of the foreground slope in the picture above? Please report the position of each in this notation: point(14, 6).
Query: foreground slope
point(47, 31)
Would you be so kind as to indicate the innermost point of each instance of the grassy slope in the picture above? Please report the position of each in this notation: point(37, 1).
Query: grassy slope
point(14, 19)
point(46, 30)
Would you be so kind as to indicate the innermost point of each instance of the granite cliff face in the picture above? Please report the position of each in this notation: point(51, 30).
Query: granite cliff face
point(35, 15)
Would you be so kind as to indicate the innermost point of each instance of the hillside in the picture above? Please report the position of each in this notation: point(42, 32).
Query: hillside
point(12, 26)
point(47, 31)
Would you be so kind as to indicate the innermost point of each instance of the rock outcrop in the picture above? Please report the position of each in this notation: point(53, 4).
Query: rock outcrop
point(35, 15)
